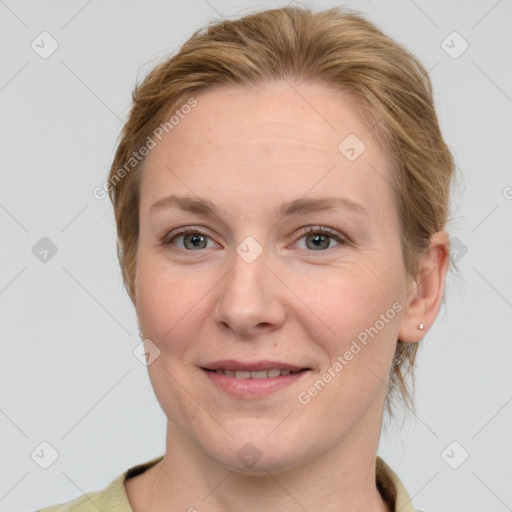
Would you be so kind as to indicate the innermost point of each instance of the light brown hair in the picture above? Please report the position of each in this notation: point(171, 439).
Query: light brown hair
point(336, 47)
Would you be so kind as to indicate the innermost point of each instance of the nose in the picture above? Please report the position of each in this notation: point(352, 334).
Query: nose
point(251, 298)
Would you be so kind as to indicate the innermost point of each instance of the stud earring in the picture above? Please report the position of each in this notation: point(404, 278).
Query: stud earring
point(140, 335)
point(420, 327)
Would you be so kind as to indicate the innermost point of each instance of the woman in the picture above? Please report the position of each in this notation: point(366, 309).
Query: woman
point(281, 190)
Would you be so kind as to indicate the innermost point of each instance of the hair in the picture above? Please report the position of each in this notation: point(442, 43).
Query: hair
point(335, 47)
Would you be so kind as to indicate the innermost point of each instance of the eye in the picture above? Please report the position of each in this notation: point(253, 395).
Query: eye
point(193, 239)
point(319, 238)
point(316, 238)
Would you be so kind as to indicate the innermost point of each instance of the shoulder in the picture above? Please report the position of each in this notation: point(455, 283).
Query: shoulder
point(112, 499)
point(87, 503)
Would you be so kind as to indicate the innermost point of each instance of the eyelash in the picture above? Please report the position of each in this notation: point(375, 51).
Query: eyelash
point(342, 240)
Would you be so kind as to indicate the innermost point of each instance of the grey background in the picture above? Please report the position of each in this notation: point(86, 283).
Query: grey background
point(68, 373)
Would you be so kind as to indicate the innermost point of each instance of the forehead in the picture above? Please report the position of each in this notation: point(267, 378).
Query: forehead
point(274, 140)
point(303, 116)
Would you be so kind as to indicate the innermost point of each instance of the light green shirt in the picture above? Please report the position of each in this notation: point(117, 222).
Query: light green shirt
point(114, 498)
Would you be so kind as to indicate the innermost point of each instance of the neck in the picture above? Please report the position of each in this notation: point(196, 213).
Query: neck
point(340, 480)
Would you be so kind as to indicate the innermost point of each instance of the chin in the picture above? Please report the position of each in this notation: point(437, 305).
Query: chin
point(262, 464)
point(258, 454)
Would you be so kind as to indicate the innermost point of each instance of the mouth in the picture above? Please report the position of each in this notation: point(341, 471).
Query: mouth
point(261, 374)
point(252, 379)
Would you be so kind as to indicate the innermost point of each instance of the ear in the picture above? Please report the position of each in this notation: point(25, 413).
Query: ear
point(425, 291)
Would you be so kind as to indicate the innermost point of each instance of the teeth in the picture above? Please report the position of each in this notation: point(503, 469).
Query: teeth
point(261, 374)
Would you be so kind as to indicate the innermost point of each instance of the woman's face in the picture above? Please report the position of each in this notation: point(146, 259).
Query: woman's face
point(248, 284)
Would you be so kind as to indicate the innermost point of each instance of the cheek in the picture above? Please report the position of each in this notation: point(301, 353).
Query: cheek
point(351, 296)
point(169, 310)
point(168, 305)
point(359, 307)
point(359, 315)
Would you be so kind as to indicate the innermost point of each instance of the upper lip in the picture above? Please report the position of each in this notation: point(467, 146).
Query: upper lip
point(252, 366)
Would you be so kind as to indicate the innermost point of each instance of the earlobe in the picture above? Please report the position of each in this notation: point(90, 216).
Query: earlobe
point(425, 293)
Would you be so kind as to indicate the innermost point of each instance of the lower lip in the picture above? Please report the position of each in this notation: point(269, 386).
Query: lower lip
point(252, 388)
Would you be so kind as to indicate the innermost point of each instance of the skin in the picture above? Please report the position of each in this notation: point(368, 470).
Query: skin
point(247, 150)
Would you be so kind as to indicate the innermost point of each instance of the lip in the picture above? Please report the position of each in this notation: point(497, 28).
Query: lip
point(252, 366)
point(253, 388)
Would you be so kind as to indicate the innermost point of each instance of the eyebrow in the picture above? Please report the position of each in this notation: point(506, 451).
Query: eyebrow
point(301, 206)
